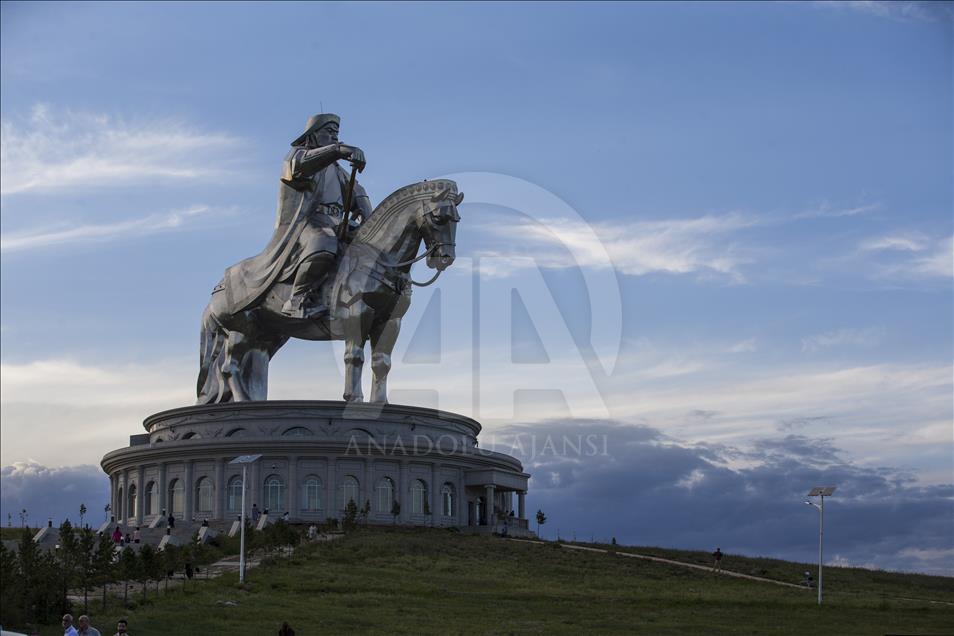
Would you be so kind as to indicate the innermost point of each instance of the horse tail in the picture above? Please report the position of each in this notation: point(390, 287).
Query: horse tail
point(212, 387)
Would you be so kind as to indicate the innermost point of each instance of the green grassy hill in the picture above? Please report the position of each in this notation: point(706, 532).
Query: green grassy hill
point(433, 581)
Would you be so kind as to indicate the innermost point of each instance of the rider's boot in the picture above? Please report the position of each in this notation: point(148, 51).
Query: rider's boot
point(311, 272)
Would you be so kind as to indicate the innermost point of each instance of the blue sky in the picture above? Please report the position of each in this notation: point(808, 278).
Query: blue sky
point(727, 224)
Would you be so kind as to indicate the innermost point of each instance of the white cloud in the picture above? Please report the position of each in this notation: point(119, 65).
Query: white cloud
point(682, 246)
point(745, 346)
point(865, 337)
point(912, 242)
point(931, 11)
point(827, 211)
point(59, 150)
point(45, 237)
point(915, 256)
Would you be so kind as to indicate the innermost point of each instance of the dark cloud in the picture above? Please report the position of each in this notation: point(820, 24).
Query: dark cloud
point(648, 489)
point(52, 492)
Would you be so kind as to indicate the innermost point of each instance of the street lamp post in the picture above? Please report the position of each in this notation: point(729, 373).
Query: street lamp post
point(244, 460)
point(821, 492)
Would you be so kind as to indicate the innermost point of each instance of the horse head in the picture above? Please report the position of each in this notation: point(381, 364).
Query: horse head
point(438, 225)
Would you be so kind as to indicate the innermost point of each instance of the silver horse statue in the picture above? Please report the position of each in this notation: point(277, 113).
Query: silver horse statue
point(367, 296)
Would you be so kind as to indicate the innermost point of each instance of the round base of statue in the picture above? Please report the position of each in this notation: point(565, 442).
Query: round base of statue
point(379, 464)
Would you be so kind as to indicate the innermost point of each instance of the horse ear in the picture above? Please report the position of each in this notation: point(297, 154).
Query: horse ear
point(459, 198)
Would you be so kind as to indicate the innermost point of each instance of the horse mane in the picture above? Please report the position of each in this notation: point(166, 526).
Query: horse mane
point(397, 201)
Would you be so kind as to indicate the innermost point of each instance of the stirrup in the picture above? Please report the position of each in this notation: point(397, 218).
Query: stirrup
point(294, 307)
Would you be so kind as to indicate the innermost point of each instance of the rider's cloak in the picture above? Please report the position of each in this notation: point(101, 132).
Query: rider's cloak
point(247, 282)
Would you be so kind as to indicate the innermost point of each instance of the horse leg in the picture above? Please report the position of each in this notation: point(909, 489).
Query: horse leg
point(355, 336)
point(232, 366)
point(382, 344)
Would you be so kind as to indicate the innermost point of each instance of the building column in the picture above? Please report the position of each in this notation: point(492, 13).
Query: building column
point(140, 493)
point(291, 505)
point(433, 494)
point(218, 490)
point(331, 501)
point(113, 490)
point(125, 502)
point(461, 501)
point(522, 504)
point(404, 489)
point(188, 506)
point(491, 500)
point(254, 486)
point(369, 481)
point(163, 490)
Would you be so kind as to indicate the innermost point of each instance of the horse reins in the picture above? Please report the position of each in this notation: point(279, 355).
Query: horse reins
point(424, 254)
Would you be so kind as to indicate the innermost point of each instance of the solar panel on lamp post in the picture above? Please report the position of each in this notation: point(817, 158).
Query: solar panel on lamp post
point(821, 492)
point(244, 460)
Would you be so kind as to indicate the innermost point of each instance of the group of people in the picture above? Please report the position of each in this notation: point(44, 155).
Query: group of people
point(121, 540)
point(85, 629)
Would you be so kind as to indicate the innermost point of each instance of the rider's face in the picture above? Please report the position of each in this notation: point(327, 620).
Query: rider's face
point(327, 134)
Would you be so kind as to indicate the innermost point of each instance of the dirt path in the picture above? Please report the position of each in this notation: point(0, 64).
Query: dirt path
point(226, 564)
point(693, 566)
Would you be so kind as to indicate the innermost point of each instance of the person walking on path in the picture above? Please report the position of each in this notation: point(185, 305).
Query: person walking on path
point(137, 535)
point(172, 520)
point(85, 629)
point(717, 560)
point(117, 535)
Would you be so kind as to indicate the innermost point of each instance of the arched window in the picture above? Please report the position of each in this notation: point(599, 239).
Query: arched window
point(348, 492)
point(448, 505)
point(176, 497)
point(133, 505)
point(311, 493)
point(274, 494)
point(152, 498)
point(419, 503)
point(237, 432)
point(119, 503)
point(384, 498)
point(298, 431)
point(203, 495)
point(234, 492)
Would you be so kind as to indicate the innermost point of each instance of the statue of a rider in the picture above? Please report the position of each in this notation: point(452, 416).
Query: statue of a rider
point(311, 199)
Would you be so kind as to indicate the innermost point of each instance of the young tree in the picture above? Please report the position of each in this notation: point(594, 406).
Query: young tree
point(11, 607)
point(87, 563)
point(541, 519)
point(68, 555)
point(104, 562)
point(171, 560)
point(82, 514)
point(128, 570)
point(351, 514)
point(149, 566)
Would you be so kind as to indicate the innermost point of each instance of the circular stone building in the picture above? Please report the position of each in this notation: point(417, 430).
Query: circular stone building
point(408, 465)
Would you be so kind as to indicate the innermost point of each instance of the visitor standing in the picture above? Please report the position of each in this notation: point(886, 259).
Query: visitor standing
point(286, 630)
point(255, 513)
point(117, 535)
point(717, 560)
point(137, 535)
point(68, 629)
point(172, 520)
point(121, 627)
point(85, 629)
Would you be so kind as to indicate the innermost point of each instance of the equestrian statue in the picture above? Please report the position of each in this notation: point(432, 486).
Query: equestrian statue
point(334, 269)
